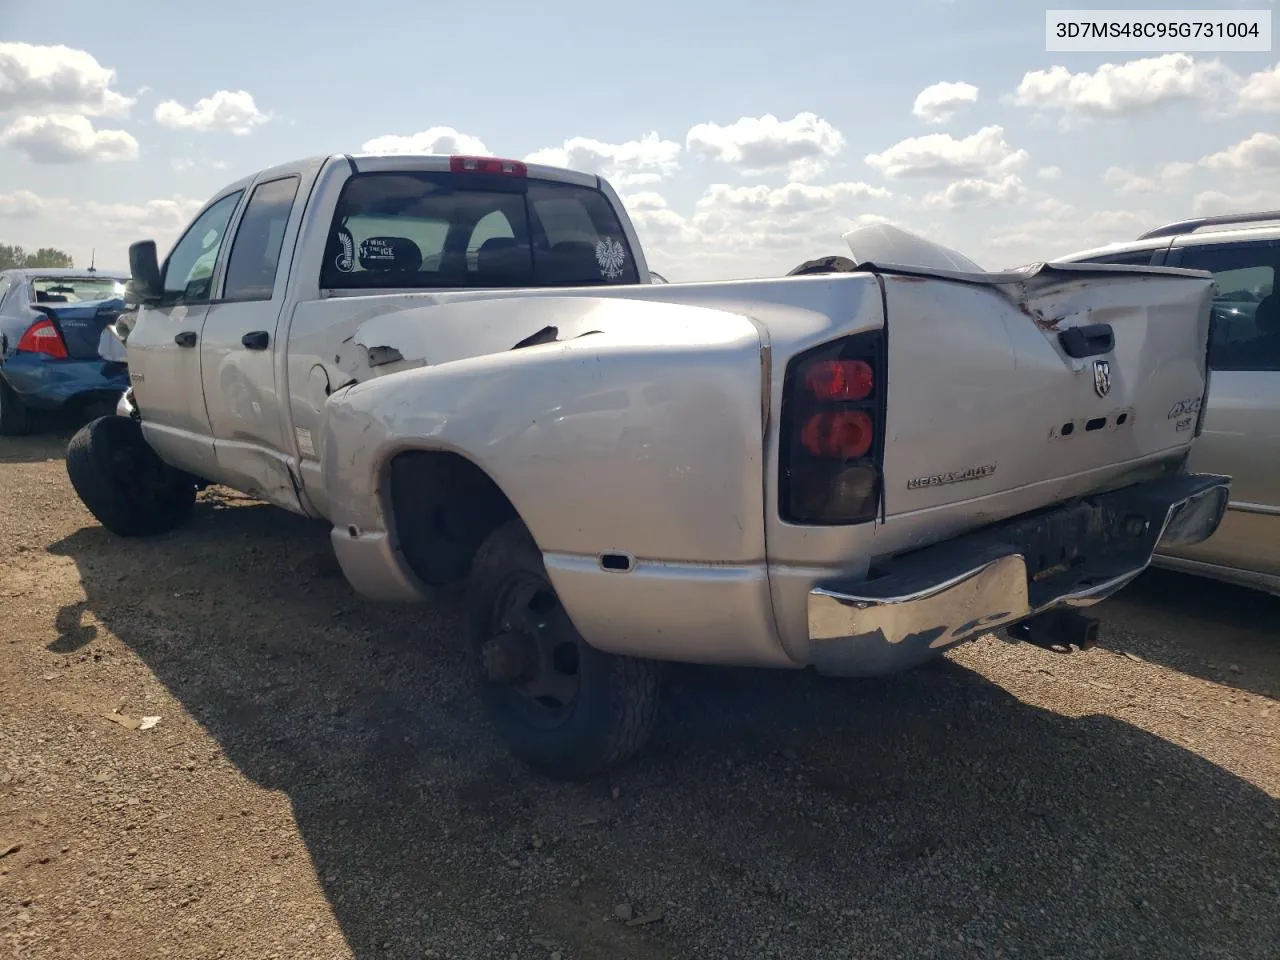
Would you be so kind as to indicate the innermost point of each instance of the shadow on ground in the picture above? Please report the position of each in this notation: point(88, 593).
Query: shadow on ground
point(1211, 630)
point(777, 814)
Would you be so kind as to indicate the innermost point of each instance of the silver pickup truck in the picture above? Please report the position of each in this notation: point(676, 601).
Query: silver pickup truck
point(460, 363)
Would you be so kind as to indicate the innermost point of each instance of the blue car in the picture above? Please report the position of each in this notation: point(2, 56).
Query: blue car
point(52, 325)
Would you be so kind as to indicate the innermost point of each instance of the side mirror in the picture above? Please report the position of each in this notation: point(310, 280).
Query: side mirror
point(147, 285)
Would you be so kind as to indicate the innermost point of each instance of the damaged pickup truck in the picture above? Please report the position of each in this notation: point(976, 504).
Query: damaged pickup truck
point(461, 364)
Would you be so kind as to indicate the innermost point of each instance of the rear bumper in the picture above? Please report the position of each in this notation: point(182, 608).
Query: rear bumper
point(49, 384)
point(1070, 556)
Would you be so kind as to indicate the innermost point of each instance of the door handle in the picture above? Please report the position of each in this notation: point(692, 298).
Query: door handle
point(1090, 340)
point(187, 338)
point(257, 340)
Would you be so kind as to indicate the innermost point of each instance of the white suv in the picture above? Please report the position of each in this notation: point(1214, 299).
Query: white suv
point(1242, 422)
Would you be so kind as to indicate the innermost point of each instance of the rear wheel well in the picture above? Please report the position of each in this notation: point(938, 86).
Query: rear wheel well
point(442, 508)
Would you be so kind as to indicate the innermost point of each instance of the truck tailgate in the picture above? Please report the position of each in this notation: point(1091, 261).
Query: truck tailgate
point(1069, 377)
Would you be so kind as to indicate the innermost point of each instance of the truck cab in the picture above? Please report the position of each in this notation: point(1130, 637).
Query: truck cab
point(330, 228)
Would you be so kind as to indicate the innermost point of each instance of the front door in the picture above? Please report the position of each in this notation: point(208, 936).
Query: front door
point(238, 351)
point(163, 350)
point(1241, 435)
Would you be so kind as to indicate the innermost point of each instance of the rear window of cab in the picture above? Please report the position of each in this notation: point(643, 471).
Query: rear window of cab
point(435, 230)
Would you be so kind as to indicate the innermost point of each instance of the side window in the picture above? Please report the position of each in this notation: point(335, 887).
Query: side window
point(1246, 311)
point(255, 251)
point(188, 273)
point(5, 284)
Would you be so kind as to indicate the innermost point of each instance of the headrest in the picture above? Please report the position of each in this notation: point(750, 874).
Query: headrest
point(390, 255)
point(574, 262)
point(1268, 316)
point(574, 248)
point(503, 257)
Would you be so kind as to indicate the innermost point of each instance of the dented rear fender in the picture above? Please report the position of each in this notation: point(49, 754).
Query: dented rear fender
point(645, 438)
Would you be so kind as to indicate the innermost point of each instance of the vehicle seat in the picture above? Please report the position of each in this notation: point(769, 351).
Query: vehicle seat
point(1267, 316)
point(502, 259)
point(42, 297)
point(572, 262)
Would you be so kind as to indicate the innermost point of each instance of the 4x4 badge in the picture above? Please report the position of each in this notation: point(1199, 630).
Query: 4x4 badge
point(1101, 377)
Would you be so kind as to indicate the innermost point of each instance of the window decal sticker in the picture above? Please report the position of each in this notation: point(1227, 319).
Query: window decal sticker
point(346, 258)
point(377, 250)
point(611, 257)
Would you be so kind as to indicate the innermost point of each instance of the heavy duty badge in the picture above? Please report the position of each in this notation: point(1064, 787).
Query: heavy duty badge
point(958, 476)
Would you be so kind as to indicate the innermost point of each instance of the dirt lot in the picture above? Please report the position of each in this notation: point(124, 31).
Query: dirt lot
point(320, 784)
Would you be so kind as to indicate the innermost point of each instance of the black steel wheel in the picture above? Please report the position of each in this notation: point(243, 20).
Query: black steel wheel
point(562, 706)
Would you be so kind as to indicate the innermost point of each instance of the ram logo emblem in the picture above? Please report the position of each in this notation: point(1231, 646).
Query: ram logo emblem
point(1101, 377)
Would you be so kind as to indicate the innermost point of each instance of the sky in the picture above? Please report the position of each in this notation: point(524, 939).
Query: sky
point(745, 137)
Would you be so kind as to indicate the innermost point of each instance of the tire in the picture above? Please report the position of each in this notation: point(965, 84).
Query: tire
point(125, 485)
point(15, 416)
point(612, 711)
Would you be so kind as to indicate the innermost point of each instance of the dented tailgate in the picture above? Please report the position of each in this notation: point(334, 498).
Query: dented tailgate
point(1065, 376)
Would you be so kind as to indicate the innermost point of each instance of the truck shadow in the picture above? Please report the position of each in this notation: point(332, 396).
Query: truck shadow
point(932, 808)
point(1215, 631)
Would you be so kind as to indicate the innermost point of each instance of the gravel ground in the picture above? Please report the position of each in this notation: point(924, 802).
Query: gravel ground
point(321, 785)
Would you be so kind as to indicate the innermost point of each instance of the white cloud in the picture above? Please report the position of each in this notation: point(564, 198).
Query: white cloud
point(976, 192)
point(1169, 176)
point(159, 219)
point(36, 78)
point(183, 164)
point(434, 140)
point(803, 145)
point(789, 199)
point(1126, 88)
point(942, 101)
point(657, 224)
point(1211, 203)
point(1258, 153)
point(166, 215)
point(982, 154)
point(67, 139)
point(109, 228)
point(750, 231)
point(1047, 238)
point(1262, 91)
point(21, 205)
point(1049, 173)
point(646, 160)
point(226, 111)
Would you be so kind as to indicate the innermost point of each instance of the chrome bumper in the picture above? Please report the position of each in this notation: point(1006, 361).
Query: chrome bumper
point(1071, 556)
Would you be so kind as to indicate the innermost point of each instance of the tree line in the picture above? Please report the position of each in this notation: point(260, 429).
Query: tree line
point(12, 256)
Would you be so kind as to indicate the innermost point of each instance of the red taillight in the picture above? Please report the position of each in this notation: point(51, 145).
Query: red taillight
point(840, 380)
point(43, 337)
point(510, 168)
point(833, 416)
point(838, 434)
